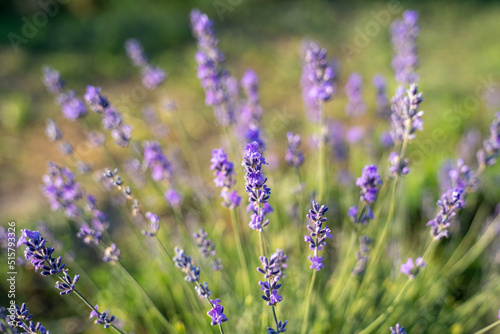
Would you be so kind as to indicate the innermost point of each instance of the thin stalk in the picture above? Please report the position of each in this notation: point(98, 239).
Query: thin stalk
point(148, 298)
point(485, 329)
point(239, 247)
point(275, 318)
point(305, 321)
point(322, 161)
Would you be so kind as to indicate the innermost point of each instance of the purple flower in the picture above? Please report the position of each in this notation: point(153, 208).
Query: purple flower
point(406, 118)
point(52, 80)
point(111, 254)
point(52, 131)
point(369, 183)
point(173, 197)
point(281, 328)
point(20, 317)
point(271, 269)
point(317, 79)
point(255, 186)
point(154, 224)
point(404, 35)
point(491, 146)
point(135, 52)
point(354, 134)
point(411, 268)
point(62, 190)
point(398, 166)
point(214, 78)
point(249, 122)
point(206, 246)
point(316, 262)
point(217, 313)
point(318, 233)
point(112, 119)
point(152, 77)
point(102, 318)
point(224, 174)
point(156, 161)
point(294, 157)
point(451, 201)
point(73, 108)
point(354, 91)
point(398, 330)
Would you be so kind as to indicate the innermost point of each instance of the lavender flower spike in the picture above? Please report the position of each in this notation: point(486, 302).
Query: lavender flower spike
point(404, 34)
point(316, 80)
point(411, 268)
point(223, 170)
point(152, 76)
point(354, 91)
point(214, 78)
point(451, 201)
point(22, 319)
point(491, 147)
point(62, 190)
point(256, 186)
point(318, 234)
point(369, 183)
point(156, 161)
point(406, 118)
point(294, 157)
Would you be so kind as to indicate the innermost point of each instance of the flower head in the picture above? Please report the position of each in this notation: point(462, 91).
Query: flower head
point(217, 313)
point(411, 268)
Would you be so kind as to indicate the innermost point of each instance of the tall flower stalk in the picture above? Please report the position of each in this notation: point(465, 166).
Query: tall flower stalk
point(317, 241)
point(317, 88)
point(40, 256)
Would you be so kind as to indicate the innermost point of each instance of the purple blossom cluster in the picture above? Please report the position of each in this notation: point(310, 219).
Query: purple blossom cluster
point(223, 170)
point(398, 329)
point(152, 76)
point(206, 247)
point(22, 319)
point(173, 197)
point(156, 161)
point(62, 190)
point(369, 183)
point(219, 86)
point(317, 79)
point(40, 256)
point(101, 318)
point(449, 204)
point(255, 187)
point(184, 262)
point(411, 269)
point(406, 118)
point(404, 34)
point(317, 233)
point(111, 118)
point(398, 166)
point(272, 270)
point(354, 92)
point(488, 154)
point(72, 107)
point(294, 157)
point(250, 118)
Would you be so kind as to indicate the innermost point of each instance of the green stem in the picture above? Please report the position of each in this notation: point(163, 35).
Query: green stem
point(305, 322)
point(322, 161)
point(275, 318)
point(239, 247)
point(485, 329)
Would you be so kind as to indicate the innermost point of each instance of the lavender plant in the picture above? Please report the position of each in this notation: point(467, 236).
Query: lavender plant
point(364, 281)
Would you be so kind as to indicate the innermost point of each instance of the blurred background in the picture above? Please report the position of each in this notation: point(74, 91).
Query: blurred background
point(459, 55)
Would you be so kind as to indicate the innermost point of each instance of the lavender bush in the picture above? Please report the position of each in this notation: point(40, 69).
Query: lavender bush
point(377, 267)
